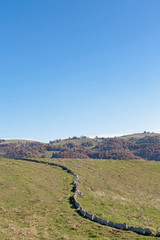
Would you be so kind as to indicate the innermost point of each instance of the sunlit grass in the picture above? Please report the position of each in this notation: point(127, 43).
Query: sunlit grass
point(35, 199)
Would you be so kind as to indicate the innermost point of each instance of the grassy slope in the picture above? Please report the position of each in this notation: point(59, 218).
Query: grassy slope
point(121, 191)
point(34, 200)
point(139, 135)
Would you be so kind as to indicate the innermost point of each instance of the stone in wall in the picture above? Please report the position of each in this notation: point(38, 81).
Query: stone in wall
point(76, 191)
point(125, 227)
point(99, 220)
point(83, 213)
point(141, 231)
point(89, 216)
point(75, 195)
point(31, 160)
point(80, 193)
point(75, 182)
point(53, 164)
point(95, 218)
point(77, 177)
point(121, 226)
point(111, 224)
point(63, 167)
point(77, 205)
point(138, 230)
point(147, 232)
point(131, 228)
point(158, 234)
point(69, 170)
point(105, 222)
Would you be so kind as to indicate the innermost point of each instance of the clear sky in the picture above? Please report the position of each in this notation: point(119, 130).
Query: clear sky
point(72, 68)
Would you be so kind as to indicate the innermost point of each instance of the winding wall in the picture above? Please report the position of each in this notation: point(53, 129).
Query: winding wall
point(92, 217)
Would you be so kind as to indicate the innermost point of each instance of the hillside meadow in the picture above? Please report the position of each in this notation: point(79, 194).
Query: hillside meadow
point(36, 203)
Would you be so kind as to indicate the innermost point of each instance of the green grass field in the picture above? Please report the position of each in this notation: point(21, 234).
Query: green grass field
point(35, 199)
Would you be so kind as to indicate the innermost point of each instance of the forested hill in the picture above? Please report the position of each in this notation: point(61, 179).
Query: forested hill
point(136, 146)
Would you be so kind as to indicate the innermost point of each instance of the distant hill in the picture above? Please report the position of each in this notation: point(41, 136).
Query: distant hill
point(15, 141)
point(140, 135)
point(135, 146)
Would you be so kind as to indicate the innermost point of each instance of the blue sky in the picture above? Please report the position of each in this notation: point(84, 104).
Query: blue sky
point(72, 68)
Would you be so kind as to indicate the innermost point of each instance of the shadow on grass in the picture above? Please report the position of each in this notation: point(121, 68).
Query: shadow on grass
point(71, 199)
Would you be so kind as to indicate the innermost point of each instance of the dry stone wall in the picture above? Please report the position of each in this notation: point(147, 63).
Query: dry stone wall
point(92, 217)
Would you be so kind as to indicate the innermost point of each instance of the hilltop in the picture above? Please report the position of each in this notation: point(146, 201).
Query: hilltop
point(135, 146)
